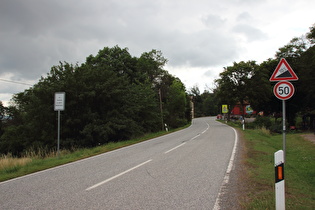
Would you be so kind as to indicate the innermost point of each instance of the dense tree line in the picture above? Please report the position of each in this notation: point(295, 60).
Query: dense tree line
point(249, 82)
point(111, 97)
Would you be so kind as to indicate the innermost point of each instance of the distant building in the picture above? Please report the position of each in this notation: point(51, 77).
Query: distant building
point(239, 111)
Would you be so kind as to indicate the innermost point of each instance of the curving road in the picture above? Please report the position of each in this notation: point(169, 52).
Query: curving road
point(182, 170)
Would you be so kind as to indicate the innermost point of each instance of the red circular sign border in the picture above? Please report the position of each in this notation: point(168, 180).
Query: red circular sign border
point(288, 96)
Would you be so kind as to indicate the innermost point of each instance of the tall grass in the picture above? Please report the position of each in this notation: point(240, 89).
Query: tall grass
point(299, 170)
point(11, 164)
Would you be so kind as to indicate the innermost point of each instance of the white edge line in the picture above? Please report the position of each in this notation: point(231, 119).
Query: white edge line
point(118, 175)
point(175, 148)
point(227, 174)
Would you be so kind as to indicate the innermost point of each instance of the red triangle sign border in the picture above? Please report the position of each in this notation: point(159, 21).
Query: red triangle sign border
point(293, 76)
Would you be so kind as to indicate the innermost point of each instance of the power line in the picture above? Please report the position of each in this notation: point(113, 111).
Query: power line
point(16, 82)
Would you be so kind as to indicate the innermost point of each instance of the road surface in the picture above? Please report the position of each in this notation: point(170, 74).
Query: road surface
point(182, 170)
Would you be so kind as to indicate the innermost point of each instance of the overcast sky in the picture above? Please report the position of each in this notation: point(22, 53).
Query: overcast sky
point(198, 37)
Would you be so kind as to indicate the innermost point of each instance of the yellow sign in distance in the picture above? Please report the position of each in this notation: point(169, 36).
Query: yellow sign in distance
point(225, 109)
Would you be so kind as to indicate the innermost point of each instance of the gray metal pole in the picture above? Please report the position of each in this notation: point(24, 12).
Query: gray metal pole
point(161, 109)
point(284, 128)
point(58, 142)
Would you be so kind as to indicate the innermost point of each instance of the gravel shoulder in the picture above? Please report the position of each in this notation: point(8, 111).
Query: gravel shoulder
point(235, 191)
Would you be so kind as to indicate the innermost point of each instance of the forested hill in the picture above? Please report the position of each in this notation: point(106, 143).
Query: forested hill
point(113, 96)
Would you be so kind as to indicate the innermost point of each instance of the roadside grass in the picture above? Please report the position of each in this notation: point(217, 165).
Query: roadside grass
point(12, 167)
point(299, 170)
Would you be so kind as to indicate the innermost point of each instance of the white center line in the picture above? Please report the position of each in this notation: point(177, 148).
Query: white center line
point(189, 140)
point(195, 137)
point(118, 175)
point(206, 129)
point(175, 148)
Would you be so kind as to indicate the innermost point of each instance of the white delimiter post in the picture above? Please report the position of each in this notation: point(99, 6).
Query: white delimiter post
point(279, 180)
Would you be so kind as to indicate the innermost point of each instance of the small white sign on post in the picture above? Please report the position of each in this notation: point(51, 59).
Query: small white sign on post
point(60, 101)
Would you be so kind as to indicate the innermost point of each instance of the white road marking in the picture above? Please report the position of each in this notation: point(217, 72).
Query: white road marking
point(189, 140)
point(175, 148)
point(206, 129)
point(227, 174)
point(195, 137)
point(118, 175)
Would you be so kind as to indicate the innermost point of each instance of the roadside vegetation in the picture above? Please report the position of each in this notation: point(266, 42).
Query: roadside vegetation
point(113, 96)
point(261, 144)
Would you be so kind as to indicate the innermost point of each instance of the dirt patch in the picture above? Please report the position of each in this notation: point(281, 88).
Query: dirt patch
point(310, 137)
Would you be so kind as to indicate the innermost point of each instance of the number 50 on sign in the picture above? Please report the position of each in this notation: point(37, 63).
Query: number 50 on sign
point(283, 90)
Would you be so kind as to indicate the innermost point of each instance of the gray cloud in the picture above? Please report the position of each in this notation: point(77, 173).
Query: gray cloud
point(244, 16)
point(213, 21)
point(37, 34)
point(202, 49)
point(251, 33)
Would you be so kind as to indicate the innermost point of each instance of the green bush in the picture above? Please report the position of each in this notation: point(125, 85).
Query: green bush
point(261, 122)
point(276, 128)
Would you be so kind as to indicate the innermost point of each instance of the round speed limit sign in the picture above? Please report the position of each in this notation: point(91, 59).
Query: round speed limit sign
point(283, 90)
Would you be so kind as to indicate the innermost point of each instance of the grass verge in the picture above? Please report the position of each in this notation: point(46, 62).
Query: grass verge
point(259, 163)
point(11, 167)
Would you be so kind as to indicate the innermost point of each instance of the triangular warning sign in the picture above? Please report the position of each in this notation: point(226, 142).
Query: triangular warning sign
point(283, 72)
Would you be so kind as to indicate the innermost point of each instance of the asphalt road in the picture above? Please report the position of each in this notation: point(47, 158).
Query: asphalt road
point(182, 170)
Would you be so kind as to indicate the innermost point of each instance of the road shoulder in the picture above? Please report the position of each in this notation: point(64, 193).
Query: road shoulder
point(235, 191)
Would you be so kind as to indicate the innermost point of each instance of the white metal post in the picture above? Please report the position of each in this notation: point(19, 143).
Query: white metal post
point(279, 181)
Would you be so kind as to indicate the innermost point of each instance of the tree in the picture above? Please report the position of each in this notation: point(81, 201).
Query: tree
point(205, 104)
point(209, 104)
point(311, 35)
point(111, 97)
point(293, 49)
point(175, 104)
point(197, 101)
point(150, 66)
point(235, 86)
point(261, 96)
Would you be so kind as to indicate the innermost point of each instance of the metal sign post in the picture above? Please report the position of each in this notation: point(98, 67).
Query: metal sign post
point(58, 138)
point(59, 106)
point(284, 129)
point(283, 90)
